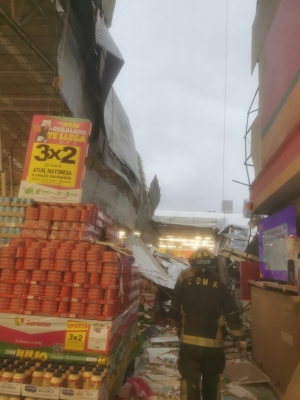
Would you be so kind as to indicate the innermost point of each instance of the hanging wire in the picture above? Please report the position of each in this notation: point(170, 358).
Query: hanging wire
point(225, 103)
point(121, 12)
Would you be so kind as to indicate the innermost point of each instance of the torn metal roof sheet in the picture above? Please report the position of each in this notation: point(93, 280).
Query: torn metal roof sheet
point(119, 133)
point(160, 271)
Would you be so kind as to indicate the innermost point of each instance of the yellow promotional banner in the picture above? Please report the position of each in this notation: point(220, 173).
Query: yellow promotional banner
point(75, 341)
point(53, 164)
point(76, 335)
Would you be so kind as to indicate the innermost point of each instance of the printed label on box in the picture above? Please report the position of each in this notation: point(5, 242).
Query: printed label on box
point(97, 339)
point(10, 388)
point(76, 336)
point(79, 394)
point(41, 392)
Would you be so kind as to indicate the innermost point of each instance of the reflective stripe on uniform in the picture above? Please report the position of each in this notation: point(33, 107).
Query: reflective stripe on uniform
point(238, 332)
point(201, 341)
point(183, 390)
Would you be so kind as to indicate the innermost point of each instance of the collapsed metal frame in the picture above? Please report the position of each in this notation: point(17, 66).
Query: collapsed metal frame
point(248, 153)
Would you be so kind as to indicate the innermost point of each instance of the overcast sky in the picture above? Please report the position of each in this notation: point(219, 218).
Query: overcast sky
point(172, 89)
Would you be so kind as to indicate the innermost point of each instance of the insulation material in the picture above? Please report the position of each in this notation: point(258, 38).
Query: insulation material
point(119, 133)
point(97, 190)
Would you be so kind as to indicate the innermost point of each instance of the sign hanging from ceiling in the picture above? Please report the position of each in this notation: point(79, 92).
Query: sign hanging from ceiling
point(54, 163)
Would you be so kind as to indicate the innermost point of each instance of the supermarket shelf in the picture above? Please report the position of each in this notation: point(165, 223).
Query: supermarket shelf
point(274, 286)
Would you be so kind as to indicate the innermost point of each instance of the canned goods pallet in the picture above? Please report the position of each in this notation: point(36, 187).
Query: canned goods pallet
point(49, 306)
point(65, 291)
point(48, 253)
point(76, 300)
point(33, 305)
point(109, 279)
point(39, 275)
point(79, 293)
point(94, 279)
point(94, 310)
point(63, 254)
point(51, 291)
point(94, 267)
point(9, 252)
point(95, 293)
point(20, 289)
point(63, 299)
point(111, 268)
point(93, 255)
point(78, 266)
point(8, 274)
point(78, 254)
point(92, 301)
point(81, 277)
point(62, 265)
point(7, 296)
point(29, 297)
point(7, 263)
point(36, 290)
point(31, 264)
point(110, 256)
point(47, 265)
point(77, 308)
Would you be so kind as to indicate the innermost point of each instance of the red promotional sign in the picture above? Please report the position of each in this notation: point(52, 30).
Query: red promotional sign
point(54, 163)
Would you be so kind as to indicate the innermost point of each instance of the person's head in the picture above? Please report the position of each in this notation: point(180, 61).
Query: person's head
point(203, 260)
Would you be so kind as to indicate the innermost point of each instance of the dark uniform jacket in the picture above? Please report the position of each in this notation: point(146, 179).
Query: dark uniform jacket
point(201, 303)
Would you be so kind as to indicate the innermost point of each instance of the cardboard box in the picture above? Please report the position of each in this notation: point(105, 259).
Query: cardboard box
point(293, 267)
point(63, 338)
point(275, 334)
point(293, 243)
point(40, 392)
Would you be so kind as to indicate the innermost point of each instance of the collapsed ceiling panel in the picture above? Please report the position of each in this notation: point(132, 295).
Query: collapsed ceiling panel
point(119, 133)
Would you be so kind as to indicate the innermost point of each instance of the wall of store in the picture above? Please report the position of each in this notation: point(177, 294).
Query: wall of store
point(276, 131)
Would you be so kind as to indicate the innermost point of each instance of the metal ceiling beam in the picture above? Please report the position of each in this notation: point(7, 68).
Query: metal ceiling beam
point(11, 127)
point(27, 15)
point(36, 108)
point(24, 73)
point(31, 97)
point(12, 9)
point(18, 30)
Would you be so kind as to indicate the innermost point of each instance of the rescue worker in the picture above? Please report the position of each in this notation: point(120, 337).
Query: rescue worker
point(200, 304)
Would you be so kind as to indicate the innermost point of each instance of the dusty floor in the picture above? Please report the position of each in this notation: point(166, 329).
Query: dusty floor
point(157, 367)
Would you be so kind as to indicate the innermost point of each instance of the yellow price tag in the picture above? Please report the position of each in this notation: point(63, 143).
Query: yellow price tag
point(75, 341)
point(53, 164)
